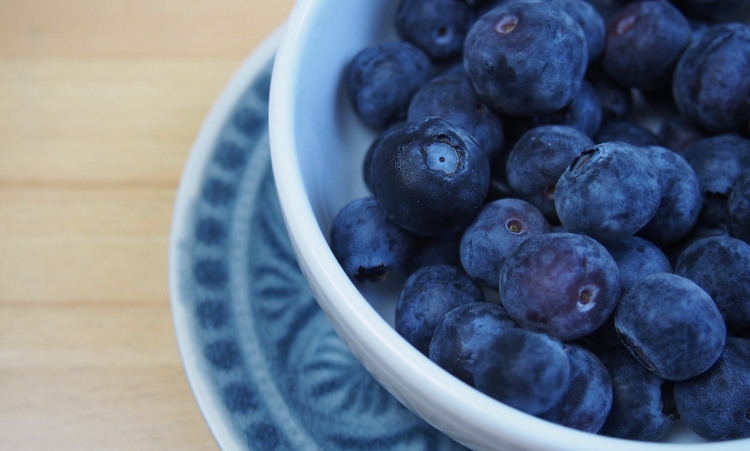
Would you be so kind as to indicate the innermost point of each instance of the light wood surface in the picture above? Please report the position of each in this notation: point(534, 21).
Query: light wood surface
point(100, 101)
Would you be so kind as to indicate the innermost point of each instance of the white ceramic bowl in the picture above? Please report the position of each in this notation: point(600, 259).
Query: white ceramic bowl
point(317, 147)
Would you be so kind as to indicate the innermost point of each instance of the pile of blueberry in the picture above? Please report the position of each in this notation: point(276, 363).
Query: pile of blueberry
point(566, 185)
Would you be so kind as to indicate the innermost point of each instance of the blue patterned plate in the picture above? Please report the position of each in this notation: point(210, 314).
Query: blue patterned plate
point(266, 367)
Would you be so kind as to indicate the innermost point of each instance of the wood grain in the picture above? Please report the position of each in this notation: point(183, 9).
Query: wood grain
point(99, 104)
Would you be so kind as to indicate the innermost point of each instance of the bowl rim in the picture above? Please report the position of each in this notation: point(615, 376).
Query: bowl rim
point(466, 414)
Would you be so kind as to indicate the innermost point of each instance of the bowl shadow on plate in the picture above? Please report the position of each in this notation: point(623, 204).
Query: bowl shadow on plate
point(280, 373)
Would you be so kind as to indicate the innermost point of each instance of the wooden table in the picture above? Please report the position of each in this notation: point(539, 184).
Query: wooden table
point(100, 101)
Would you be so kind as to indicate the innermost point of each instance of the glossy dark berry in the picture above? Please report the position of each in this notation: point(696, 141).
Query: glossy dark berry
point(430, 177)
point(367, 161)
point(452, 97)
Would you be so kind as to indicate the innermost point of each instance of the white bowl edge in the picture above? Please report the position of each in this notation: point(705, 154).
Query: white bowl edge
point(463, 413)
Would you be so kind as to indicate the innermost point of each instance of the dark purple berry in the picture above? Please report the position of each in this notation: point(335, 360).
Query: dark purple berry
point(562, 284)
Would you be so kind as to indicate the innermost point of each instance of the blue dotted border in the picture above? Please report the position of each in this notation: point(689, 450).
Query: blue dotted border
point(284, 377)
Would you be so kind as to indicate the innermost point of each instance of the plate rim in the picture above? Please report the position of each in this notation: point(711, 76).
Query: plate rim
point(201, 388)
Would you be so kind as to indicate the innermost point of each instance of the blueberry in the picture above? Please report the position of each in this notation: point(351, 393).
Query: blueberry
point(712, 10)
point(526, 58)
point(438, 27)
point(670, 325)
point(608, 192)
point(738, 208)
point(626, 131)
point(381, 80)
point(430, 177)
point(537, 160)
point(481, 7)
point(718, 161)
point(681, 197)
point(583, 12)
point(721, 266)
point(526, 370)
point(637, 258)
point(435, 250)
point(603, 339)
point(367, 245)
point(616, 100)
point(428, 294)
point(499, 186)
point(710, 82)
point(452, 97)
point(583, 113)
point(590, 21)
point(644, 41)
point(463, 332)
point(699, 232)
point(562, 284)
point(608, 8)
point(677, 133)
point(716, 404)
point(499, 227)
point(367, 161)
point(586, 403)
point(642, 402)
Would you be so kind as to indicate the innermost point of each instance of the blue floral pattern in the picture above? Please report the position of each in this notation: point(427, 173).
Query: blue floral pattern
point(284, 377)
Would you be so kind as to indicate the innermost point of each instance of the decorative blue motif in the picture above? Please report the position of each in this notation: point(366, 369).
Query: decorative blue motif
point(284, 377)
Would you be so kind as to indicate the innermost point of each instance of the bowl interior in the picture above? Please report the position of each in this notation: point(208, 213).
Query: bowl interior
point(318, 145)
